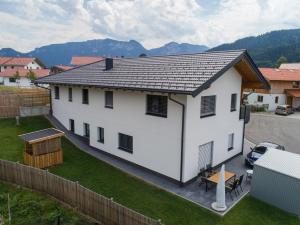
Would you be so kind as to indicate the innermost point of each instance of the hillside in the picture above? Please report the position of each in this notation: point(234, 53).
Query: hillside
point(267, 48)
point(62, 53)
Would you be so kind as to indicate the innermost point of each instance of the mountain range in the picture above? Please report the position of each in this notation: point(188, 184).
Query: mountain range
point(61, 53)
point(265, 49)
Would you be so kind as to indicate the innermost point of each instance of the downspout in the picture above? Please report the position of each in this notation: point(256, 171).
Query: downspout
point(50, 92)
point(182, 136)
point(244, 124)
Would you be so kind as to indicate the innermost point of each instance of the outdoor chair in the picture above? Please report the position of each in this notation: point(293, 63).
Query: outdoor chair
point(203, 175)
point(241, 182)
point(233, 188)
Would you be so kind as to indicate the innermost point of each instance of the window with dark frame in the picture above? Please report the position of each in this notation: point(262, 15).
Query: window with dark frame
point(295, 84)
point(233, 102)
point(126, 142)
point(56, 92)
point(85, 96)
point(101, 135)
point(157, 105)
point(230, 141)
point(276, 99)
point(70, 91)
point(109, 99)
point(208, 106)
point(260, 98)
point(12, 80)
point(71, 125)
point(86, 130)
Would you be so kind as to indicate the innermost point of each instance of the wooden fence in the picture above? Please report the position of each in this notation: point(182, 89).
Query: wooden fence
point(102, 209)
point(11, 101)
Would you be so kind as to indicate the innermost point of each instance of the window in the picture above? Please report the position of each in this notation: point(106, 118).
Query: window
point(101, 134)
point(85, 96)
point(208, 106)
point(276, 99)
point(233, 102)
point(12, 67)
point(230, 141)
point(12, 80)
point(70, 95)
point(109, 100)
point(71, 125)
point(86, 130)
point(125, 143)
point(157, 105)
point(56, 92)
point(295, 84)
point(260, 98)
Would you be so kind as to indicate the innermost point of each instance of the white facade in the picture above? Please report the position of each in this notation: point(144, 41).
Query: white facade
point(268, 99)
point(157, 140)
point(23, 82)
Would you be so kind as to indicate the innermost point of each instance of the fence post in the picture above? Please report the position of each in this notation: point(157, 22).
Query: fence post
point(76, 195)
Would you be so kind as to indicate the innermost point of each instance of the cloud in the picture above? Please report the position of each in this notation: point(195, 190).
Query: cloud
point(31, 23)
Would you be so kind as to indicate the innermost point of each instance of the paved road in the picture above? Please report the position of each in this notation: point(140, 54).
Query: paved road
point(279, 129)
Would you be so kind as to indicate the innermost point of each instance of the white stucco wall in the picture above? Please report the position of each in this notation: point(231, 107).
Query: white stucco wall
point(267, 99)
point(216, 128)
point(156, 140)
point(33, 65)
point(296, 102)
point(23, 82)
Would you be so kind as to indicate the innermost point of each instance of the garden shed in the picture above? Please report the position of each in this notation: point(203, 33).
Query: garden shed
point(43, 148)
point(276, 180)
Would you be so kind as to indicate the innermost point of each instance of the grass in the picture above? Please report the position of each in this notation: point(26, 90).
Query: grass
point(31, 208)
point(134, 193)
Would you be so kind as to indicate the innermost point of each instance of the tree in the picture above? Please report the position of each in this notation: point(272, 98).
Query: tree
point(281, 60)
point(17, 75)
point(31, 75)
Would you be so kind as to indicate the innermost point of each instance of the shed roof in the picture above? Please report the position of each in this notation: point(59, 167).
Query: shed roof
point(41, 135)
point(283, 162)
point(185, 74)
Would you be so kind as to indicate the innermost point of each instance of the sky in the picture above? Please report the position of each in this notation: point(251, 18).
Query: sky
point(27, 24)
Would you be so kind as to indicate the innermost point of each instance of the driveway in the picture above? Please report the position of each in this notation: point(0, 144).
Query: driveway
point(279, 129)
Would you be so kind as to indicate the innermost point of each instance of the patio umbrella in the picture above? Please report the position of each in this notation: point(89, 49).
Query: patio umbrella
point(219, 204)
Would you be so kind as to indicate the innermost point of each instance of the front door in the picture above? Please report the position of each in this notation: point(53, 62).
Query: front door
point(205, 155)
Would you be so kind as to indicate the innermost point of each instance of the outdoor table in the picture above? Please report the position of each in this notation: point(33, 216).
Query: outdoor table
point(215, 178)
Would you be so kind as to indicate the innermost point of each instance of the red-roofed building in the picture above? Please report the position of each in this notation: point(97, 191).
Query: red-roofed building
point(60, 68)
point(285, 89)
point(7, 77)
point(83, 60)
point(20, 62)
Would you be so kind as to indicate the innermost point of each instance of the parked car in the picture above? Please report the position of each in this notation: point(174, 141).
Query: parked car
point(259, 150)
point(284, 110)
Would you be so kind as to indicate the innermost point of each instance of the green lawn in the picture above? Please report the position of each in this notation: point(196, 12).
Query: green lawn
point(134, 193)
point(31, 208)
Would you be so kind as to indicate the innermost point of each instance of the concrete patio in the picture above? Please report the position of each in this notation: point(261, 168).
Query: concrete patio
point(191, 192)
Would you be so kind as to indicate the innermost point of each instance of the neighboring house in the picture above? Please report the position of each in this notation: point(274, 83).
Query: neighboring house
point(285, 89)
point(83, 60)
point(20, 63)
point(173, 115)
point(7, 77)
point(290, 66)
point(59, 68)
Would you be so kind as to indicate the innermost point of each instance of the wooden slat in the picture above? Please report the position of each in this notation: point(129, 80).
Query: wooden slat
point(90, 203)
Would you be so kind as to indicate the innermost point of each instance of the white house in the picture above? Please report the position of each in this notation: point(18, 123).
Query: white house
point(7, 77)
point(285, 89)
point(20, 63)
point(9, 66)
point(172, 115)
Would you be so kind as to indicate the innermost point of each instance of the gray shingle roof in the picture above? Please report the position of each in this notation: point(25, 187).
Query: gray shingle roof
point(175, 73)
